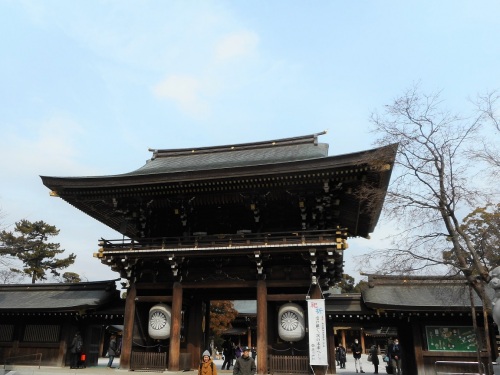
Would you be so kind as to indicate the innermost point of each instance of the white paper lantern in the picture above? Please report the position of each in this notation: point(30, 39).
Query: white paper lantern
point(160, 321)
point(291, 322)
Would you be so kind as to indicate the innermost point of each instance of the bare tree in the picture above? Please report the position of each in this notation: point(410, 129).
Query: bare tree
point(434, 186)
point(488, 106)
point(7, 276)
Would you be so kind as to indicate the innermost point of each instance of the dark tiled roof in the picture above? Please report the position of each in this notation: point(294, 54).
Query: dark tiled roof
point(230, 156)
point(232, 174)
point(60, 297)
point(421, 294)
point(350, 303)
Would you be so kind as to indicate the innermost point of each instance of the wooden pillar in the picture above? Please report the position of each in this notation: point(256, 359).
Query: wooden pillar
point(63, 344)
point(249, 337)
point(261, 327)
point(316, 294)
point(342, 334)
point(362, 336)
point(331, 348)
point(417, 347)
point(128, 328)
point(194, 332)
point(175, 331)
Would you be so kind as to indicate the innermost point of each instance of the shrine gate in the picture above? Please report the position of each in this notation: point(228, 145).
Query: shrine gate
point(265, 221)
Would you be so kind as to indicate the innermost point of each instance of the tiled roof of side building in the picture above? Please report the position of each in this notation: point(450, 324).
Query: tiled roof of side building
point(61, 297)
point(421, 294)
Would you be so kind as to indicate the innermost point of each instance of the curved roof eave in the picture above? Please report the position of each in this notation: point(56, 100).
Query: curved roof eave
point(136, 178)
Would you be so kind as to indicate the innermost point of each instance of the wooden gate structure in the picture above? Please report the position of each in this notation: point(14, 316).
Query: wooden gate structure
point(265, 221)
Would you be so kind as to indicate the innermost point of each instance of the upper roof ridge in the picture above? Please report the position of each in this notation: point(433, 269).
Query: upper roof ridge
point(305, 139)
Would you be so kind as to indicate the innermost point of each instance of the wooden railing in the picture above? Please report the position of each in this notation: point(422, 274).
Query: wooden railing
point(289, 364)
point(202, 240)
point(148, 361)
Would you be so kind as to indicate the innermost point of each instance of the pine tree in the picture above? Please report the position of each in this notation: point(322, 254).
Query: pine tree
point(28, 242)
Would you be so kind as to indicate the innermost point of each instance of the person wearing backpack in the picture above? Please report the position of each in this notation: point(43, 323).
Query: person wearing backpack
point(76, 349)
point(207, 366)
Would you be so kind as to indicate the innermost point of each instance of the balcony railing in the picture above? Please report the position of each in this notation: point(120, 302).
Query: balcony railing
point(240, 239)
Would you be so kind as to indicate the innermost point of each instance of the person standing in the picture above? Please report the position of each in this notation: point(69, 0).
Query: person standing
point(238, 351)
point(254, 352)
point(374, 357)
point(76, 348)
point(207, 366)
point(112, 350)
point(394, 352)
point(245, 364)
point(227, 350)
point(356, 353)
point(342, 356)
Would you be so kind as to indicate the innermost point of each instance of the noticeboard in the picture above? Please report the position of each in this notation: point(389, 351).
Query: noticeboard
point(450, 338)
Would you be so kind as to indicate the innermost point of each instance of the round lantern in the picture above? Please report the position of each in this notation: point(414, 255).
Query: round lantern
point(160, 321)
point(291, 322)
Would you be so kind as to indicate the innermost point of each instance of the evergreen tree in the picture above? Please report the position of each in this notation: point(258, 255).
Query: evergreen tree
point(28, 242)
point(71, 277)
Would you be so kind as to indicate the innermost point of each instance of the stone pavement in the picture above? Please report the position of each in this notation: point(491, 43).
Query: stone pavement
point(101, 369)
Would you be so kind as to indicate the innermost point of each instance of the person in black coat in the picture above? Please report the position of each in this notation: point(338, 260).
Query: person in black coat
point(342, 356)
point(228, 351)
point(75, 349)
point(374, 357)
point(356, 353)
point(394, 352)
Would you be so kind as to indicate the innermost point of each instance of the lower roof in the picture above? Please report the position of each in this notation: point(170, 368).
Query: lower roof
point(407, 293)
point(84, 296)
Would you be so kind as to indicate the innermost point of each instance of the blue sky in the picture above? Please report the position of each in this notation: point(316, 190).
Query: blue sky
point(88, 86)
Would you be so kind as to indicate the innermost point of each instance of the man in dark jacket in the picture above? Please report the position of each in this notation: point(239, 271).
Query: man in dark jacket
point(394, 352)
point(356, 353)
point(228, 351)
point(245, 365)
point(76, 348)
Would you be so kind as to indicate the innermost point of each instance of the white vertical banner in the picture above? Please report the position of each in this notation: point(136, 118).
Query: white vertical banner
point(318, 353)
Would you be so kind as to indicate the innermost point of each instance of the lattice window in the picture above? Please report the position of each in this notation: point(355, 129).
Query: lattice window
point(41, 333)
point(6, 332)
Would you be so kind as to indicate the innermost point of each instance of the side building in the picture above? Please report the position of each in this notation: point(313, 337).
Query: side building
point(38, 321)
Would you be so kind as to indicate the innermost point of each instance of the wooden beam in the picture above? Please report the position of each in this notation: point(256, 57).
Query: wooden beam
point(286, 297)
point(153, 299)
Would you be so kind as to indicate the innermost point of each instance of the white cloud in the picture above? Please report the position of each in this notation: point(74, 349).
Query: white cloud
point(185, 92)
point(237, 45)
point(190, 92)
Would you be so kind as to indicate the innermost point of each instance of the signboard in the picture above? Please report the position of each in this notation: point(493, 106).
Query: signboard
point(450, 338)
point(318, 353)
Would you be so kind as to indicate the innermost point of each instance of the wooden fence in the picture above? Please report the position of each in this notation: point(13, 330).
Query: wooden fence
point(148, 361)
point(289, 364)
